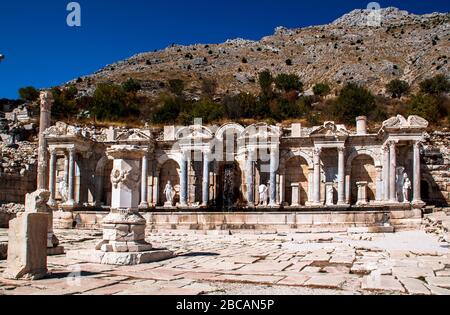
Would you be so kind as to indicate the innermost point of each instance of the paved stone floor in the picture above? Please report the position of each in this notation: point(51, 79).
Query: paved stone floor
point(261, 264)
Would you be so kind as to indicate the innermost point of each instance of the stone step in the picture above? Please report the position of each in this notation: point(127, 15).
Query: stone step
point(371, 229)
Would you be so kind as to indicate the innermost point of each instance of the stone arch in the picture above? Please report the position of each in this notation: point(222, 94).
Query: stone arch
point(224, 128)
point(362, 169)
point(286, 156)
point(102, 181)
point(296, 172)
point(375, 157)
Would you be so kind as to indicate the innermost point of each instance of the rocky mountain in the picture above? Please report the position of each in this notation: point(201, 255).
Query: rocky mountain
point(368, 47)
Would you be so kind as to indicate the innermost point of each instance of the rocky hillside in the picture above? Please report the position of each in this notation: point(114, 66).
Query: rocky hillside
point(405, 46)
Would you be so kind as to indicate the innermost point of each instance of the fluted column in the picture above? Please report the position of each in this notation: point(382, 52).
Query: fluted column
point(392, 172)
point(71, 178)
point(386, 172)
point(316, 196)
point(341, 176)
point(183, 181)
point(250, 178)
point(417, 198)
point(273, 177)
point(205, 188)
point(144, 183)
point(52, 178)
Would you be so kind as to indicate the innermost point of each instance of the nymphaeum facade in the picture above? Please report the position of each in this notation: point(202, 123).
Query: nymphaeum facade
point(233, 167)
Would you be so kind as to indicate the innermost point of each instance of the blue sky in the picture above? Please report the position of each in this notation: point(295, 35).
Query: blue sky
point(42, 51)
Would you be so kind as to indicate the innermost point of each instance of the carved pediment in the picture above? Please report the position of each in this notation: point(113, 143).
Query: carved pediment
point(261, 131)
point(330, 129)
point(400, 122)
point(61, 129)
point(133, 135)
point(196, 132)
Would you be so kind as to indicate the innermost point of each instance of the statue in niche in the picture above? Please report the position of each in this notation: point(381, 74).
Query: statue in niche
point(406, 188)
point(400, 181)
point(169, 192)
point(62, 189)
point(263, 196)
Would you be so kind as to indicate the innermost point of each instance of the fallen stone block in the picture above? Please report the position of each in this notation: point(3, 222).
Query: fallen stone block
point(382, 283)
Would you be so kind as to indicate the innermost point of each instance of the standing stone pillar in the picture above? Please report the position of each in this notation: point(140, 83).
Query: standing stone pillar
point(52, 178)
point(144, 183)
point(156, 190)
point(386, 173)
point(282, 189)
point(250, 178)
point(205, 188)
point(341, 176)
point(392, 172)
point(295, 195)
point(98, 190)
point(273, 177)
point(362, 193)
point(183, 181)
point(310, 185)
point(71, 178)
point(316, 196)
point(45, 121)
point(417, 198)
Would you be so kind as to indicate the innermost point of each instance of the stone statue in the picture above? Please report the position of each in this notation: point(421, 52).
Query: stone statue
point(400, 181)
point(62, 189)
point(406, 188)
point(263, 189)
point(169, 192)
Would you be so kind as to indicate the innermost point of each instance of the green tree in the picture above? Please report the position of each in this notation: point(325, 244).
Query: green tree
point(240, 106)
point(289, 82)
point(65, 103)
point(110, 103)
point(439, 84)
point(397, 88)
point(353, 101)
point(29, 93)
point(207, 110)
point(176, 86)
point(168, 111)
point(131, 86)
point(321, 89)
point(265, 82)
point(426, 106)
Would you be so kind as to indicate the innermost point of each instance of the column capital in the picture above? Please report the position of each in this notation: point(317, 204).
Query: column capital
point(317, 151)
point(341, 149)
point(52, 151)
point(71, 150)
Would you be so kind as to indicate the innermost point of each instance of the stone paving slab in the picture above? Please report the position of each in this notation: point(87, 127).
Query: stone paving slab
point(255, 264)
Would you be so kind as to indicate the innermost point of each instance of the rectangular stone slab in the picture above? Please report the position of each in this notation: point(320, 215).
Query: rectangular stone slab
point(27, 247)
point(120, 259)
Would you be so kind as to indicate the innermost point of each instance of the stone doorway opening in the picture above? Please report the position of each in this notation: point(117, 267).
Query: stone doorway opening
point(363, 170)
point(229, 194)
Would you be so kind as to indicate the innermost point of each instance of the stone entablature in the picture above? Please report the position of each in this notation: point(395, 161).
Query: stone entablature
point(230, 166)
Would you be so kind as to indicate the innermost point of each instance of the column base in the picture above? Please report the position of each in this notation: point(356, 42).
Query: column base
point(144, 206)
point(69, 205)
point(120, 259)
point(418, 204)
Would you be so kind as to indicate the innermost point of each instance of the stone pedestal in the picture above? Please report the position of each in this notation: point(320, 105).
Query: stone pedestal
point(329, 189)
point(124, 228)
point(295, 195)
point(362, 193)
point(27, 247)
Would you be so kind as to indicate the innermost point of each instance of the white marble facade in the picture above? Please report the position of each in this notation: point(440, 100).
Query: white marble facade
point(224, 167)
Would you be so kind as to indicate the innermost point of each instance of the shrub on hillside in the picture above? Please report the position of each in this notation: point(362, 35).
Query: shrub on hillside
point(176, 86)
point(29, 93)
point(265, 82)
point(131, 86)
point(439, 84)
point(110, 102)
point(321, 89)
point(289, 82)
point(397, 88)
point(423, 105)
point(353, 101)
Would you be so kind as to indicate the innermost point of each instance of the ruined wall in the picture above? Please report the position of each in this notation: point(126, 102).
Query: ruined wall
point(436, 169)
point(17, 172)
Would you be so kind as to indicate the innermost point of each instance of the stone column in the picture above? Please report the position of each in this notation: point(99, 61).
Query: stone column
point(282, 189)
point(98, 190)
point(310, 185)
point(316, 196)
point(71, 177)
point(341, 176)
point(66, 170)
point(52, 178)
point(250, 178)
point(205, 188)
point(144, 183)
point(417, 198)
point(183, 181)
point(392, 172)
point(273, 177)
point(45, 121)
point(295, 195)
point(386, 173)
point(156, 190)
point(379, 194)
